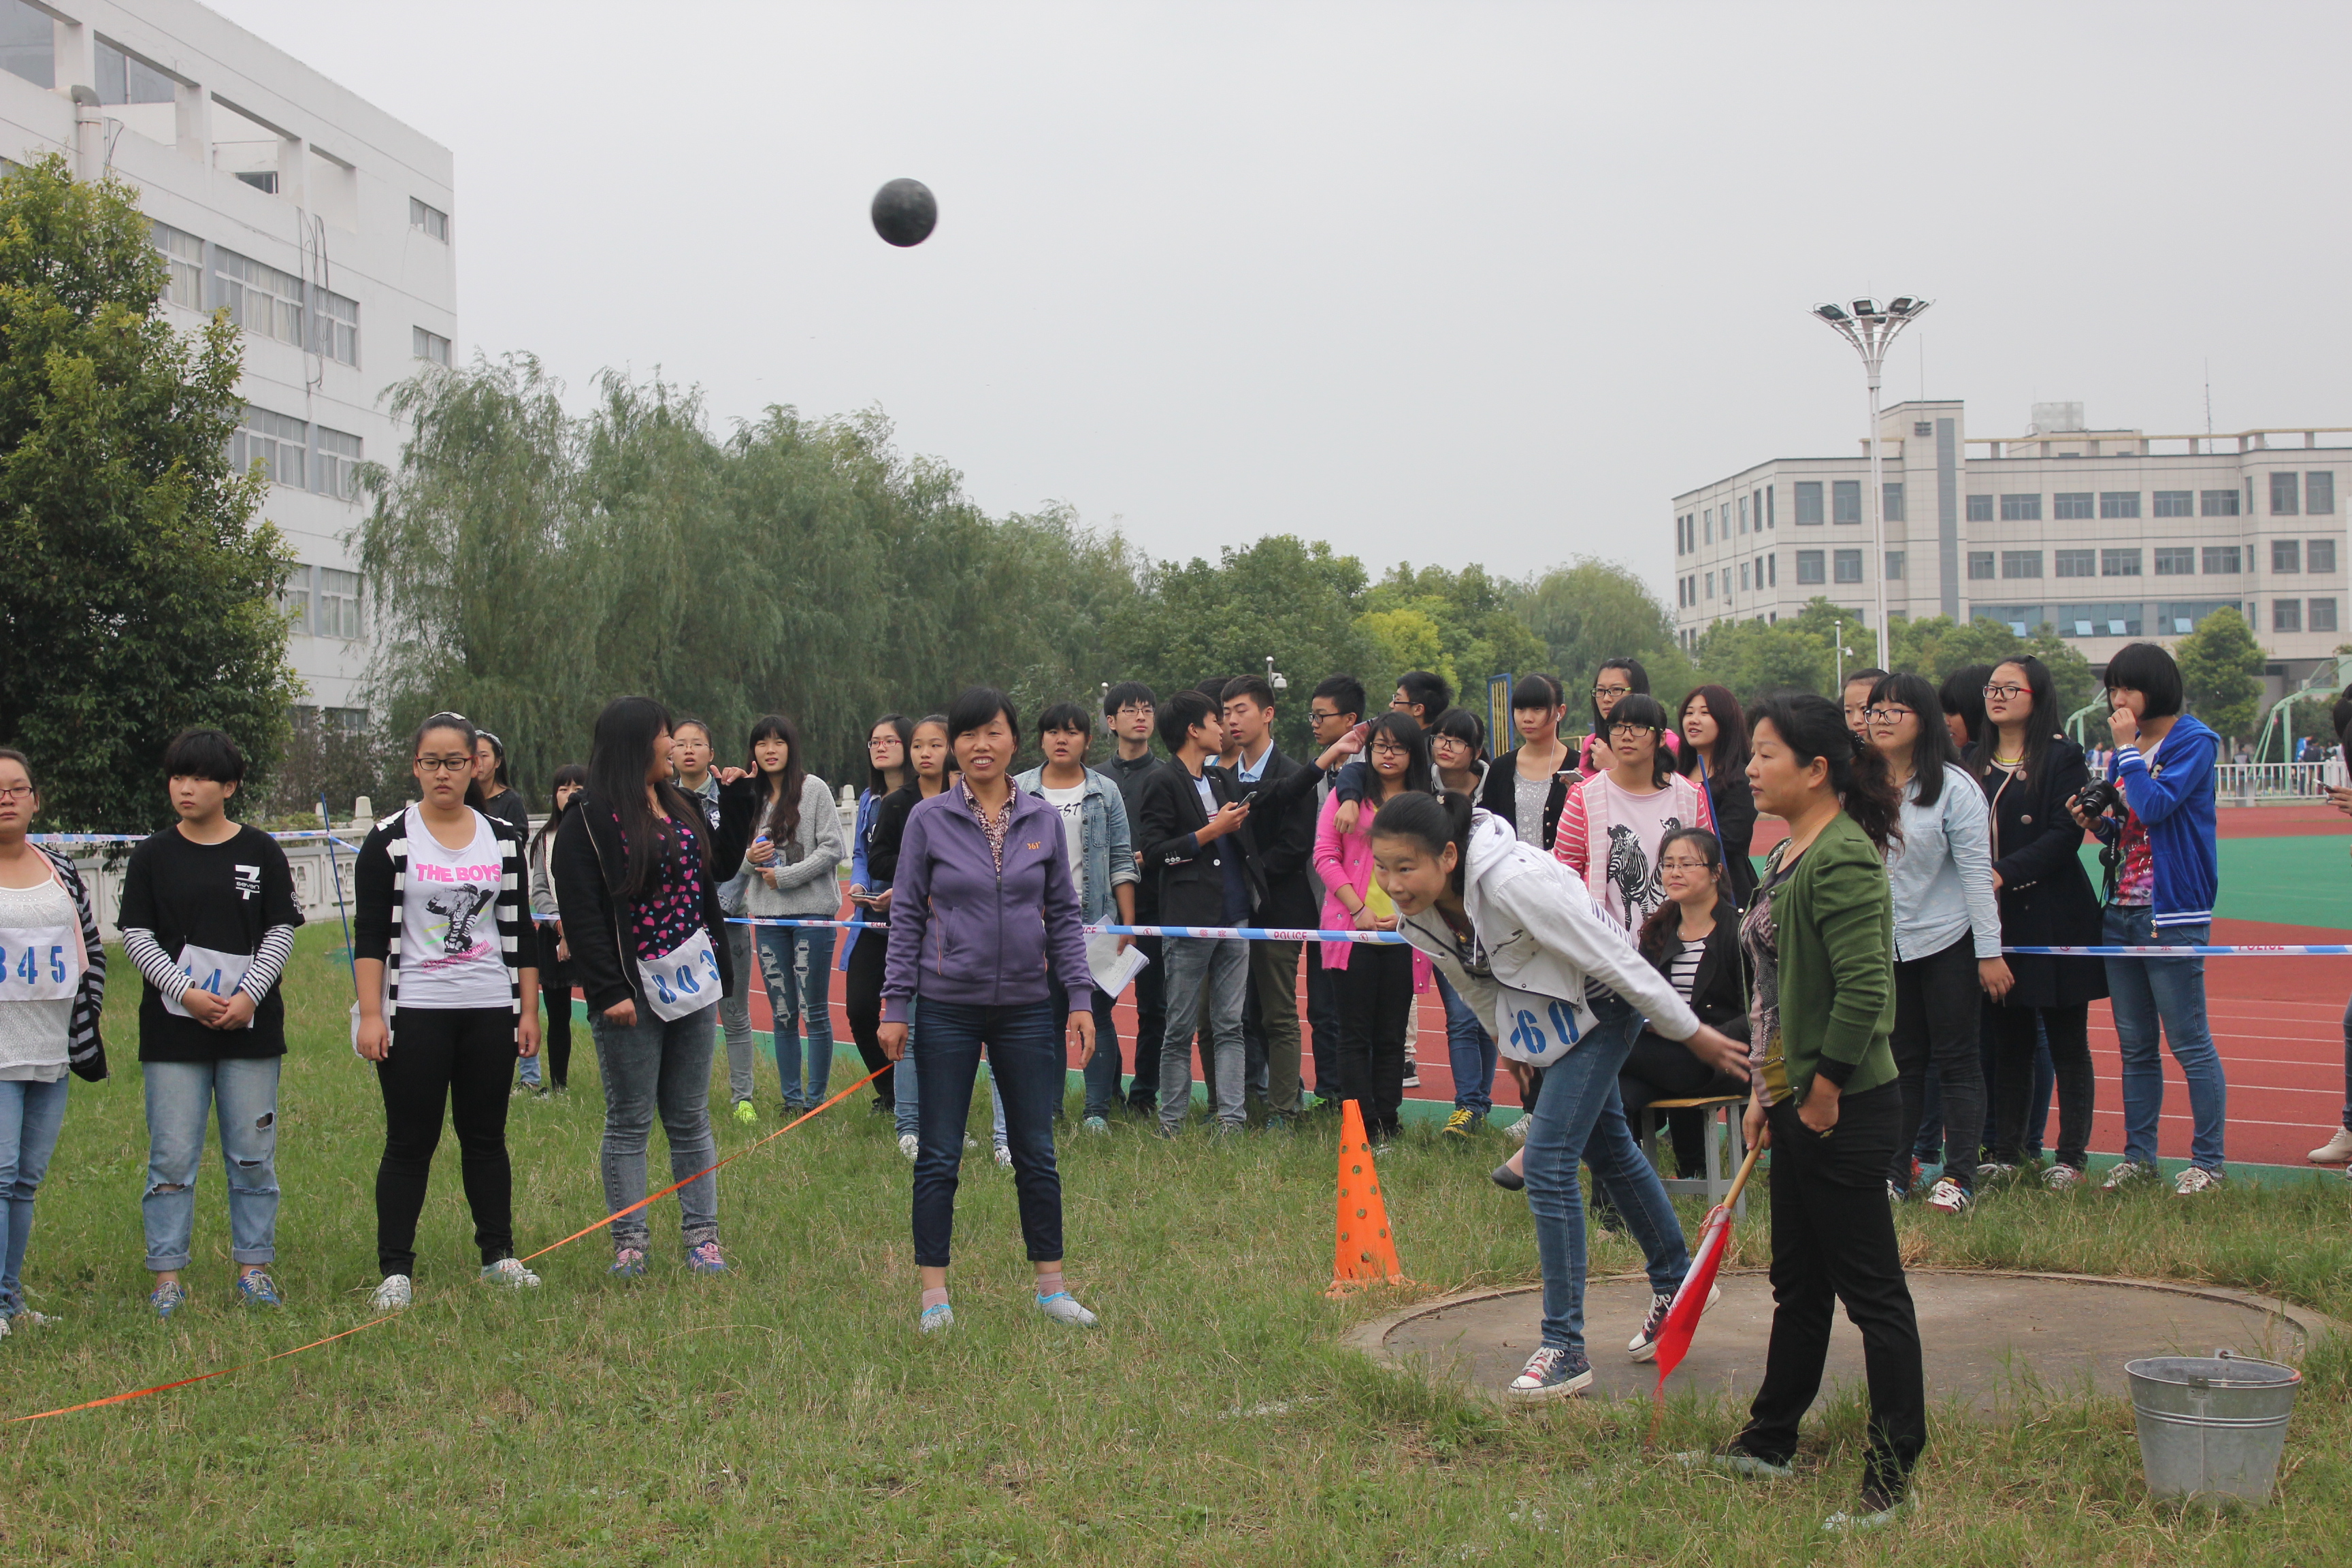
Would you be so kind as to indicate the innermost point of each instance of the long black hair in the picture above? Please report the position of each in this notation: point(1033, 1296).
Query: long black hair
point(620, 756)
point(1635, 676)
point(901, 726)
point(781, 819)
point(1811, 727)
point(2040, 725)
point(464, 726)
point(1405, 730)
point(1963, 698)
point(1432, 820)
point(1730, 732)
point(498, 756)
point(1643, 709)
point(1933, 751)
point(569, 774)
point(1651, 938)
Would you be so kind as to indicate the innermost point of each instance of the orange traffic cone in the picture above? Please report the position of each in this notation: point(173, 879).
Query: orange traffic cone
point(1364, 1253)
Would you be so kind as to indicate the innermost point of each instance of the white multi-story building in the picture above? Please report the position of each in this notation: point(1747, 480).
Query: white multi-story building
point(320, 222)
point(2108, 536)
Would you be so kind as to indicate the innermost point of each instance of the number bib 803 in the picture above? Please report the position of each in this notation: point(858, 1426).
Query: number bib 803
point(683, 980)
point(39, 964)
point(1539, 1029)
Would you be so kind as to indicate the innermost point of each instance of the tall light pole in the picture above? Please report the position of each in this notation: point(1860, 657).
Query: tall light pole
point(1870, 327)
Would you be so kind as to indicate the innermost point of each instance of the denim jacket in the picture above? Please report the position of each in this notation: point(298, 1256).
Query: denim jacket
point(1107, 847)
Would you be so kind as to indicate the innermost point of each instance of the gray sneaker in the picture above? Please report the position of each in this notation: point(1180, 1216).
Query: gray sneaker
point(1062, 1308)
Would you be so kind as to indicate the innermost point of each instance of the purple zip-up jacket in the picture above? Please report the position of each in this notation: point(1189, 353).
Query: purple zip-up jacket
point(961, 933)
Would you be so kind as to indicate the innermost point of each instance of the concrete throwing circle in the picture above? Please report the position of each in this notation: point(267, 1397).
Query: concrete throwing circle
point(1993, 1341)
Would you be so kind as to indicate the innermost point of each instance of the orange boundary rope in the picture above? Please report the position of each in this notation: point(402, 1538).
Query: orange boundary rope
point(362, 1328)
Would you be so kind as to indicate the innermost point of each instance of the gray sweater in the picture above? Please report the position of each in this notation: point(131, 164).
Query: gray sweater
point(807, 867)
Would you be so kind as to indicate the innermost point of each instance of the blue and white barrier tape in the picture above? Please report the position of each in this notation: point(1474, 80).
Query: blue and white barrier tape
point(2236, 950)
point(1247, 934)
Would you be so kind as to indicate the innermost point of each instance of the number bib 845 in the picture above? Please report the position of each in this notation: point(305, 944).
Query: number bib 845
point(39, 964)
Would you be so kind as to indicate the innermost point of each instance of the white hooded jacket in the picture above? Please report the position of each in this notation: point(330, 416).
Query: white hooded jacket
point(1537, 929)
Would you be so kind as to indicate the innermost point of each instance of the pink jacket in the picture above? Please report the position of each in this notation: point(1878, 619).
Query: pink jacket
point(1350, 860)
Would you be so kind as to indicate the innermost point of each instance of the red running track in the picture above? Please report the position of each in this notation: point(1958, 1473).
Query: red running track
point(2277, 1022)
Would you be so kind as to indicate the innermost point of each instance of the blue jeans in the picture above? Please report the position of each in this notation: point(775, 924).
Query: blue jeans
point(180, 1099)
point(31, 1116)
point(906, 1085)
point(1101, 1073)
point(2348, 1064)
point(796, 962)
point(1024, 1057)
point(2147, 992)
point(649, 1065)
point(1216, 969)
point(1578, 1116)
point(1470, 1050)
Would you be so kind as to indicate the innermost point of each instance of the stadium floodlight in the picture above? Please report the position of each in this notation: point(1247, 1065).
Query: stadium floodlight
point(1871, 330)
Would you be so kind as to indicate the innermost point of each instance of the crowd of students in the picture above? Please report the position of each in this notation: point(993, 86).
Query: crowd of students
point(1588, 913)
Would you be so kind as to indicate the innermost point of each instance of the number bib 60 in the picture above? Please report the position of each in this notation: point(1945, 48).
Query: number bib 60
point(683, 980)
point(1539, 1029)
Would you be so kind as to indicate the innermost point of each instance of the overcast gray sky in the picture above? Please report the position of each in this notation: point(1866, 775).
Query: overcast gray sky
point(1443, 282)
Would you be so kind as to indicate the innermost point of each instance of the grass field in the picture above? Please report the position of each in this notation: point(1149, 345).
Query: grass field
point(790, 1413)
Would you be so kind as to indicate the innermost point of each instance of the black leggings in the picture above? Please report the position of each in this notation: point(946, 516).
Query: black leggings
point(1939, 1023)
point(463, 1057)
point(2010, 1030)
point(1659, 1068)
point(555, 989)
point(862, 995)
point(1375, 1008)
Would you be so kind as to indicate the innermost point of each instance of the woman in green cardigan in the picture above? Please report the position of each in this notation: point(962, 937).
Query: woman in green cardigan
point(1820, 939)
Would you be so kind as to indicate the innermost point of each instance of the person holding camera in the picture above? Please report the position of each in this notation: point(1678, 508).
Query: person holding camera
point(2155, 819)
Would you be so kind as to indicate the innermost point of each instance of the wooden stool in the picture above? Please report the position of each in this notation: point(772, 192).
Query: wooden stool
point(1718, 1174)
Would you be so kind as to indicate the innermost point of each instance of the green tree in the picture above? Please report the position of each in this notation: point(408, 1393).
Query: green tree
point(1479, 632)
point(1591, 610)
point(143, 592)
point(2070, 672)
point(1754, 659)
point(2221, 673)
point(1936, 645)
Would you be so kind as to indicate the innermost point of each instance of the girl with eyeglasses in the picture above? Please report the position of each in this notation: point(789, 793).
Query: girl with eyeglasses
point(1455, 741)
point(1614, 821)
point(1946, 932)
point(794, 865)
point(885, 771)
point(448, 996)
point(1617, 679)
point(2028, 772)
point(1692, 939)
point(930, 768)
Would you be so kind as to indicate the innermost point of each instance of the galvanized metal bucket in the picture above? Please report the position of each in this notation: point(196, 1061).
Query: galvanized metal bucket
point(2211, 1428)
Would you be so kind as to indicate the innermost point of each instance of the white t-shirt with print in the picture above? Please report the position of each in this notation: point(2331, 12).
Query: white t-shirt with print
point(1072, 804)
point(449, 954)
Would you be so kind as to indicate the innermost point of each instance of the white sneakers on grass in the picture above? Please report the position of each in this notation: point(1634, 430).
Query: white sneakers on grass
point(910, 1145)
point(393, 1294)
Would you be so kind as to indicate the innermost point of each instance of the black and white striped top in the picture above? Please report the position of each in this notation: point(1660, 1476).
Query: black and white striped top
point(381, 882)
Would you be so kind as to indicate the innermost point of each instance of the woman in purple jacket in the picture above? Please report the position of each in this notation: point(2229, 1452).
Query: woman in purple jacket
point(983, 924)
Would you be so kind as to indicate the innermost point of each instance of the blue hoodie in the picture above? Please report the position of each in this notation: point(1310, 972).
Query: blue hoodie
point(2172, 793)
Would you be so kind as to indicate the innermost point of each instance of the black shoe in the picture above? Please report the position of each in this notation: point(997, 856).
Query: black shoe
point(1511, 1181)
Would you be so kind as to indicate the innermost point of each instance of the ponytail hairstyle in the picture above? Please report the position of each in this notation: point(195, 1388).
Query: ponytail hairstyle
point(620, 757)
point(569, 774)
point(1432, 820)
point(464, 726)
point(781, 817)
point(1811, 727)
point(1660, 925)
point(1933, 751)
point(499, 752)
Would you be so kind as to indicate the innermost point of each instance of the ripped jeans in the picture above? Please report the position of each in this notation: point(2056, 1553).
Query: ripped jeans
point(180, 1101)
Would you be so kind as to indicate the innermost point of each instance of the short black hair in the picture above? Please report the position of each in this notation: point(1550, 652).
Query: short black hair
point(204, 754)
point(1873, 675)
point(1434, 693)
point(1344, 693)
point(1255, 686)
point(1066, 716)
point(680, 722)
point(2146, 669)
point(1180, 714)
point(1124, 692)
point(1213, 688)
point(1536, 691)
point(973, 709)
point(1461, 724)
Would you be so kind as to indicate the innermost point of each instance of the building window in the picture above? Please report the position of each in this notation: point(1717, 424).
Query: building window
point(2221, 560)
point(1710, 585)
point(122, 80)
point(1980, 509)
point(2070, 504)
point(1809, 565)
point(2020, 508)
point(2220, 503)
point(2323, 615)
point(183, 255)
point(2319, 554)
point(260, 298)
point(432, 348)
point(1743, 576)
point(2175, 503)
point(1848, 565)
point(2319, 497)
point(272, 440)
point(1980, 566)
point(2077, 562)
point(2021, 564)
point(2119, 562)
point(1771, 511)
point(1892, 499)
point(294, 600)
point(28, 43)
point(1743, 515)
point(1895, 565)
point(1845, 500)
point(2176, 562)
point(2099, 620)
point(335, 463)
point(1771, 571)
point(338, 321)
point(2119, 503)
point(338, 603)
point(432, 221)
point(1922, 427)
point(2285, 490)
point(2286, 615)
point(1809, 503)
point(2286, 555)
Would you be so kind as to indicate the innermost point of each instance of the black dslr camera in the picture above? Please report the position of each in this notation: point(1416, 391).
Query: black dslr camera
point(2099, 797)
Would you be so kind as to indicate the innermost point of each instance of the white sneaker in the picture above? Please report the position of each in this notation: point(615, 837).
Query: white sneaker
point(392, 1295)
point(1004, 1156)
point(509, 1272)
point(1949, 1197)
point(2062, 1177)
point(908, 1144)
point(2198, 1179)
point(1062, 1308)
point(1517, 1130)
point(1413, 1076)
point(2336, 1151)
